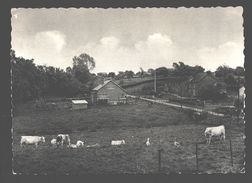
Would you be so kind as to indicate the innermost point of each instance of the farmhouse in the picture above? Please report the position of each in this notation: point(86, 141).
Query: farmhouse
point(79, 104)
point(108, 92)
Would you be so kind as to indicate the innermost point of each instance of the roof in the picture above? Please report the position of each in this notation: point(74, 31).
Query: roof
point(101, 85)
point(105, 83)
point(79, 101)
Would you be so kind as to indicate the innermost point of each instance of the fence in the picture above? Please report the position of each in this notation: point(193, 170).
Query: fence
point(174, 105)
point(198, 161)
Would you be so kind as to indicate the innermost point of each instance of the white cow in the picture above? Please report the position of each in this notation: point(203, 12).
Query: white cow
point(53, 142)
point(218, 131)
point(117, 142)
point(32, 140)
point(79, 143)
point(63, 139)
point(72, 146)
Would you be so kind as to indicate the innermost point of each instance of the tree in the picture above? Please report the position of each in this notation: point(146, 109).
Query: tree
point(151, 71)
point(30, 81)
point(230, 80)
point(181, 69)
point(84, 61)
point(120, 75)
point(111, 74)
point(141, 72)
point(102, 74)
point(223, 71)
point(162, 72)
point(82, 65)
point(128, 74)
point(210, 92)
point(24, 83)
point(239, 71)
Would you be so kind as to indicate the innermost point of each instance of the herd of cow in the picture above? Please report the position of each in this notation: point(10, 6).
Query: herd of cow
point(64, 139)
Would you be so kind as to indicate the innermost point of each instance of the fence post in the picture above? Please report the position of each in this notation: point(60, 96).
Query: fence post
point(231, 152)
point(159, 160)
point(197, 163)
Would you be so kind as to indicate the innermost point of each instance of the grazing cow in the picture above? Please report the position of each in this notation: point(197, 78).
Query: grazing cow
point(32, 140)
point(218, 131)
point(79, 143)
point(63, 139)
point(117, 142)
point(148, 142)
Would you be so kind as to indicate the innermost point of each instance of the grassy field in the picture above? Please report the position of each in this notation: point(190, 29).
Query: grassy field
point(133, 123)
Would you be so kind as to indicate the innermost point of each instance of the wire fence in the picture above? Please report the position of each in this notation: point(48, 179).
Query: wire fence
point(204, 156)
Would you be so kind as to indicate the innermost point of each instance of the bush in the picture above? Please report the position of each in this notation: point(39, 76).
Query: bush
point(195, 115)
point(231, 111)
point(211, 92)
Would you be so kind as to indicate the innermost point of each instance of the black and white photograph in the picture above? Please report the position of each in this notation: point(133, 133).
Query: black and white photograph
point(128, 91)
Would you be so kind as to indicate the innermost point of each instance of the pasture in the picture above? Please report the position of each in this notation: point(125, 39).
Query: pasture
point(133, 123)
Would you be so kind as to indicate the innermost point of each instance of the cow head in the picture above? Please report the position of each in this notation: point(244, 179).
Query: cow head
point(207, 132)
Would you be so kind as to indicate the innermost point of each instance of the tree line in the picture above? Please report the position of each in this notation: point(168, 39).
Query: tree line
point(30, 81)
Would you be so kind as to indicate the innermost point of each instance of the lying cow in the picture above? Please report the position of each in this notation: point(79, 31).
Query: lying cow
point(117, 142)
point(62, 139)
point(32, 140)
point(218, 131)
point(79, 143)
point(72, 146)
point(53, 142)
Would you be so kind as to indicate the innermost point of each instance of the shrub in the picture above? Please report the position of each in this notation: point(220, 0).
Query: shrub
point(211, 92)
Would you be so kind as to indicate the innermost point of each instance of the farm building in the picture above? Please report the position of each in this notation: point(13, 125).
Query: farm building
point(108, 92)
point(79, 104)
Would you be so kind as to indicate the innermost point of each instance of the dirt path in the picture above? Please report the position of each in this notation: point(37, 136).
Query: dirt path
point(176, 105)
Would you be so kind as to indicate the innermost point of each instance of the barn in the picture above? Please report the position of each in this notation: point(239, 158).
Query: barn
point(108, 92)
point(79, 104)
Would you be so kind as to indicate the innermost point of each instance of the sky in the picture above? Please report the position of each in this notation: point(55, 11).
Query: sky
point(127, 39)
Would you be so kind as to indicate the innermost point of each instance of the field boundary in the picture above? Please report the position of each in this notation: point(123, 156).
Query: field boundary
point(176, 105)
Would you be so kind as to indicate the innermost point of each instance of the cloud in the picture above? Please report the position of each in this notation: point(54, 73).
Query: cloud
point(110, 55)
point(156, 50)
point(229, 53)
point(110, 42)
point(45, 47)
point(50, 40)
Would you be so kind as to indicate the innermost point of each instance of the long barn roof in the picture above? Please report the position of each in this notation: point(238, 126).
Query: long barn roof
point(105, 83)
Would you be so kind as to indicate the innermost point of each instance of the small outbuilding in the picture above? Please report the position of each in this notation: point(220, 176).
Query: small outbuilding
point(79, 104)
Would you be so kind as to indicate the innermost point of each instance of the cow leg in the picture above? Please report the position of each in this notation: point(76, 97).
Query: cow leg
point(36, 145)
point(223, 137)
point(209, 140)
